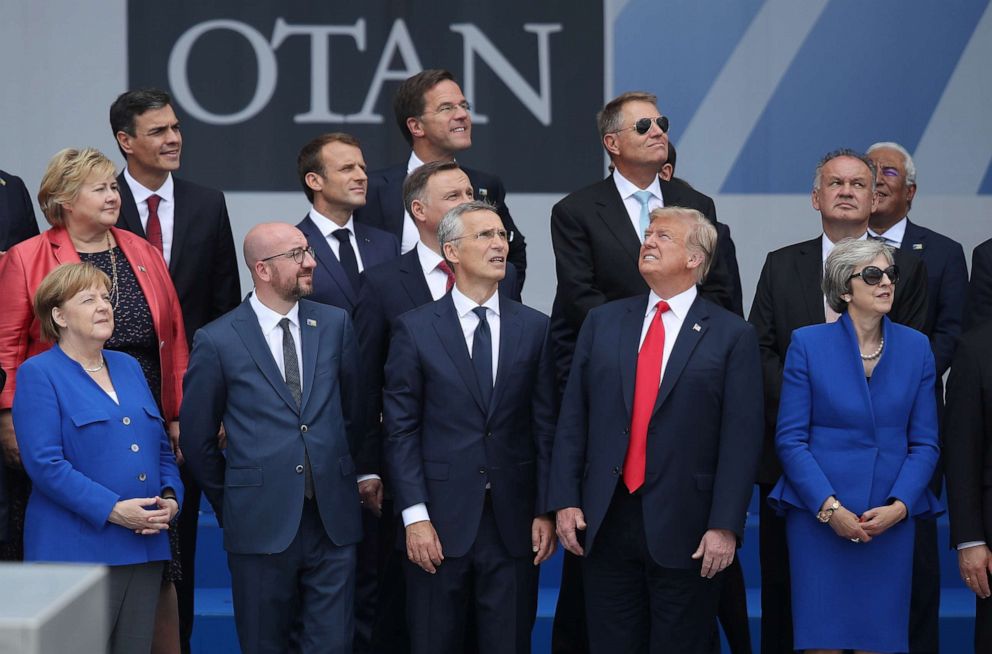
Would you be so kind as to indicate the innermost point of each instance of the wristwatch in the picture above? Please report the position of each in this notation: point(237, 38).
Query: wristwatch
point(827, 513)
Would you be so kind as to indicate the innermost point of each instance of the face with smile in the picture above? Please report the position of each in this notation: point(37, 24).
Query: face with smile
point(632, 150)
point(867, 300)
point(894, 193)
point(844, 196)
point(86, 316)
point(478, 260)
point(445, 124)
point(156, 146)
point(96, 206)
point(341, 187)
point(665, 261)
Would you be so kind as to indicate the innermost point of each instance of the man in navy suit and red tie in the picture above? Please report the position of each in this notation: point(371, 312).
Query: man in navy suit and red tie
point(469, 414)
point(657, 448)
point(332, 172)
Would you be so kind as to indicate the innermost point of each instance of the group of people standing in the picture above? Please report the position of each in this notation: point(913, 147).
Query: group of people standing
point(393, 443)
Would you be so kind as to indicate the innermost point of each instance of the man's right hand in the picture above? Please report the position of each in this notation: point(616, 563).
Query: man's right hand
point(570, 521)
point(8, 442)
point(423, 546)
point(975, 563)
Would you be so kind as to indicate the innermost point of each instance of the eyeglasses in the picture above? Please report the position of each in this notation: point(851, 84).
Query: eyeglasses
point(449, 107)
point(296, 254)
point(872, 275)
point(487, 235)
point(644, 124)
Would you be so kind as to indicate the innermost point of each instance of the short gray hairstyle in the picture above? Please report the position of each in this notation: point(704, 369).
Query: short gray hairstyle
point(701, 238)
point(843, 152)
point(451, 226)
point(847, 255)
point(907, 159)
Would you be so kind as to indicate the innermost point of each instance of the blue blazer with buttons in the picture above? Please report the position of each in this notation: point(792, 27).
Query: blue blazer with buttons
point(84, 453)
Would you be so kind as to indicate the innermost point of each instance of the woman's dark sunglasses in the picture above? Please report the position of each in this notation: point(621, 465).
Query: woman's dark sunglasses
point(644, 124)
point(872, 275)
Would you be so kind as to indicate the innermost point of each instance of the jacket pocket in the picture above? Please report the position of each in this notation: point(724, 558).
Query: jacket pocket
point(242, 477)
point(88, 417)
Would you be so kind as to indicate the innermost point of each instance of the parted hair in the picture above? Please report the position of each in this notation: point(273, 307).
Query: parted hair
point(65, 174)
point(609, 119)
point(309, 160)
point(847, 255)
point(415, 184)
point(701, 238)
point(130, 104)
point(60, 285)
point(409, 99)
point(451, 226)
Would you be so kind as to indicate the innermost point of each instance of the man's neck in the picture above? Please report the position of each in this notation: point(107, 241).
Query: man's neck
point(641, 177)
point(429, 239)
point(427, 152)
point(479, 291)
point(267, 297)
point(150, 179)
point(337, 215)
point(881, 223)
point(838, 231)
point(668, 290)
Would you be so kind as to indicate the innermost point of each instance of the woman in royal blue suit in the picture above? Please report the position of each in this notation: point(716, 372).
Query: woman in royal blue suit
point(92, 440)
point(857, 437)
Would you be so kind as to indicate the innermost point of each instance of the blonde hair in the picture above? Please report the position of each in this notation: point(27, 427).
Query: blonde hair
point(701, 238)
point(58, 287)
point(66, 173)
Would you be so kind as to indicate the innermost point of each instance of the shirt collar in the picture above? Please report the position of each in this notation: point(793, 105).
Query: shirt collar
point(827, 245)
point(428, 258)
point(627, 188)
point(141, 193)
point(677, 304)
point(269, 319)
point(414, 162)
point(896, 233)
point(464, 304)
point(326, 226)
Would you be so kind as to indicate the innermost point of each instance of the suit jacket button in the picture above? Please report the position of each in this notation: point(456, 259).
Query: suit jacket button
point(142, 477)
point(134, 447)
point(482, 471)
point(126, 420)
point(616, 470)
point(304, 428)
point(489, 434)
point(299, 469)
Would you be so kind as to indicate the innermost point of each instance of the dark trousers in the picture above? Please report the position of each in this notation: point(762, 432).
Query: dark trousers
point(500, 589)
point(301, 599)
point(983, 623)
point(189, 519)
point(776, 592)
point(634, 605)
point(924, 603)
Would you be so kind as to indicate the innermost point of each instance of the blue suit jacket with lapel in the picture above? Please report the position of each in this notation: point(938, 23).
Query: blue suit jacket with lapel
point(203, 264)
point(254, 485)
point(947, 289)
point(839, 435)
point(443, 445)
point(704, 438)
point(17, 221)
point(388, 291)
point(84, 453)
point(330, 282)
point(384, 208)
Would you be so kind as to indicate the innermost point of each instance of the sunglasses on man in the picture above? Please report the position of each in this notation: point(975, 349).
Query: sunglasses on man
point(644, 124)
point(872, 275)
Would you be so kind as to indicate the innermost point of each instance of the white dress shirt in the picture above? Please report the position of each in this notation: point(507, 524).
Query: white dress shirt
point(411, 236)
point(627, 190)
point(327, 227)
point(268, 320)
point(469, 321)
point(893, 235)
point(678, 307)
point(437, 280)
point(166, 209)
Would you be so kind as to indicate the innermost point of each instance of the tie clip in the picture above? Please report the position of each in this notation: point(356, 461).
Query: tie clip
point(697, 328)
point(311, 322)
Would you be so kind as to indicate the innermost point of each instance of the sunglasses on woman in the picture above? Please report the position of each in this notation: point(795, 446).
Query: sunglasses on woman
point(872, 275)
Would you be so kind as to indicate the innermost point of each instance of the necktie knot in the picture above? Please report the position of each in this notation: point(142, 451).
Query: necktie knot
point(342, 235)
point(644, 220)
point(481, 312)
point(153, 228)
point(662, 307)
point(153, 202)
point(643, 197)
point(284, 323)
point(446, 269)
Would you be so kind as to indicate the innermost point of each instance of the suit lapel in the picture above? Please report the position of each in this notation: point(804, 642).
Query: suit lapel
point(449, 331)
point(693, 328)
point(510, 333)
point(326, 259)
point(914, 240)
point(412, 279)
point(809, 273)
point(392, 200)
point(182, 216)
point(129, 218)
point(613, 213)
point(246, 324)
point(309, 345)
point(853, 361)
point(631, 325)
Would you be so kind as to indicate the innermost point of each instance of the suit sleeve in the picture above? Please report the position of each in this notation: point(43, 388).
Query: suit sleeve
point(352, 388)
point(402, 401)
point(964, 433)
point(225, 283)
point(577, 293)
point(37, 420)
point(763, 318)
point(518, 246)
point(741, 433)
point(544, 416)
point(373, 343)
point(200, 417)
point(921, 458)
point(15, 320)
point(912, 308)
point(25, 225)
point(980, 287)
point(950, 309)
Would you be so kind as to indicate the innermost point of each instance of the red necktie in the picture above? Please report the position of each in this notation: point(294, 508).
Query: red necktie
point(645, 393)
point(446, 269)
point(153, 230)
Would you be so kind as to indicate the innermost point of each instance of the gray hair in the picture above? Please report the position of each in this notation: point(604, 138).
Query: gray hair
point(451, 226)
point(907, 159)
point(610, 119)
point(701, 238)
point(847, 255)
point(843, 152)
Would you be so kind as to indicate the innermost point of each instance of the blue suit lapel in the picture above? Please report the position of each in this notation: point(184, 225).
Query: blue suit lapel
point(914, 240)
point(852, 362)
point(369, 250)
point(309, 345)
point(510, 334)
point(412, 279)
point(449, 331)
point(392, 199)
point(693, 328)
point(246, 324)
point(613, 213)
point(631, 325)
point(326, 259)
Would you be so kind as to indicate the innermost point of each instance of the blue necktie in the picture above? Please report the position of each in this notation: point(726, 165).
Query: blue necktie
point(644, 197)
point(482, 355)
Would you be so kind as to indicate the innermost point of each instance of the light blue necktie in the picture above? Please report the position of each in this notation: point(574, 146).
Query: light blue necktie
point(643, 197)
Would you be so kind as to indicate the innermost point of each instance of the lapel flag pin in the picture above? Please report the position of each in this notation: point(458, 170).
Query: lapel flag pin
point(697, 328)
point(141, 268)
point(483, 193)
point(3, 182)
point(311, 322)
point(917, 246)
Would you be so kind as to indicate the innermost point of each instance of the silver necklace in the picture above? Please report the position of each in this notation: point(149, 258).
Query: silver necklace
point(103, 362)
point(876, 353)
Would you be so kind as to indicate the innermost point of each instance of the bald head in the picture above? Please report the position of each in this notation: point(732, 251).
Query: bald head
point(266, 239)
point(281, 264)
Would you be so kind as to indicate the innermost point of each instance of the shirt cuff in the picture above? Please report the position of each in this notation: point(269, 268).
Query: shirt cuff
point(415, 513)
point(970, 543)
point(362, 478)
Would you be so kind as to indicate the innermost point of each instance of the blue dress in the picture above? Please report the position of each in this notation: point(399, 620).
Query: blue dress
point(866, 445)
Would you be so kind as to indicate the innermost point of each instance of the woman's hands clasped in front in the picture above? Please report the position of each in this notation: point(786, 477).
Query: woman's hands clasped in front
point(133, 514)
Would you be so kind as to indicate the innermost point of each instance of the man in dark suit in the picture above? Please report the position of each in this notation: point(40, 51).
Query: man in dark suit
point(17, 221)
point(469, 412)
point(332, 172)
point(189, 224)
point(788, 296)
point(281, 373)
point(434, 118)
point(596, 233)
point(979, 309)
point(968, 456)
point(659, 492)
point(947, 289)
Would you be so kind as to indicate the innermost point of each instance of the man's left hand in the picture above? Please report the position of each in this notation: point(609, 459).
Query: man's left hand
point(716, 549)
point(370, 491)
point(172, 429)
point(542, 538)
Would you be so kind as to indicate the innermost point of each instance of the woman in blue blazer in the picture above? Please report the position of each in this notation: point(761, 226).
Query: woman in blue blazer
point(92, 440)
point(857, 438)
